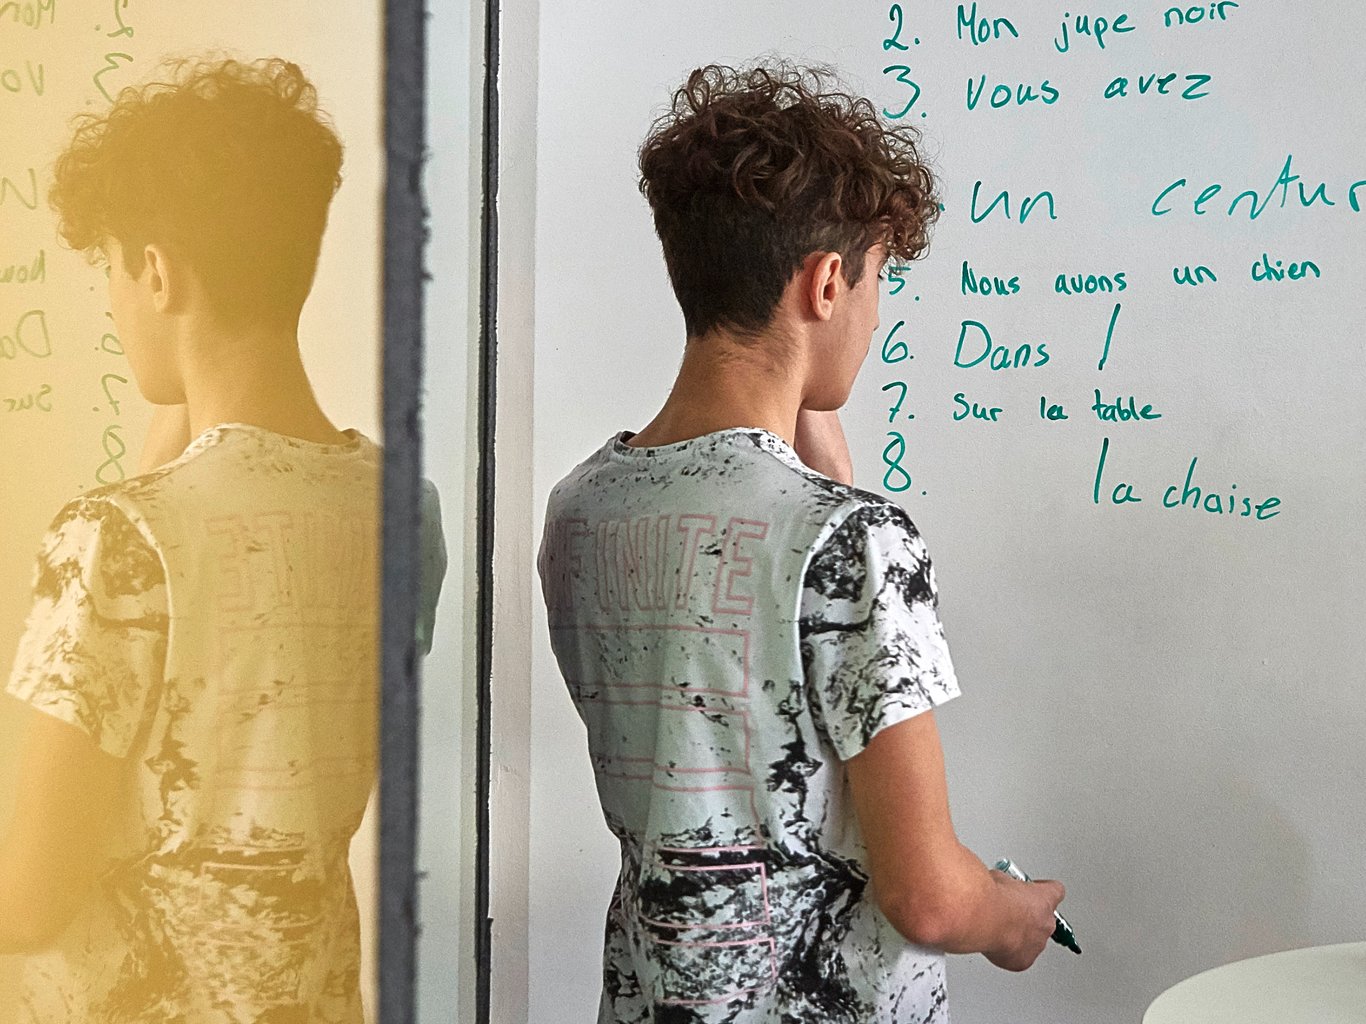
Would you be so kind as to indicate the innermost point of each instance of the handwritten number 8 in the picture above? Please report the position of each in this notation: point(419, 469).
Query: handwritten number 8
point(895, 43)
point(896, 479)
point(904, 77)
point(116, 450)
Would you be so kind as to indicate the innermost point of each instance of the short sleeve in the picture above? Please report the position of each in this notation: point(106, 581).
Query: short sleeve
point(433, 568)
point(872, 645)
point(94, 644)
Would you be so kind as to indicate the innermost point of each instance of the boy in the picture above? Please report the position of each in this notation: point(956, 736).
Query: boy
point(203, 644)
point(753, 645)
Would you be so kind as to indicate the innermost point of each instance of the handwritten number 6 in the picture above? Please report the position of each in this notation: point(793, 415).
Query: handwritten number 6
point(894, 353)
point(904, 77)
point(895, 43)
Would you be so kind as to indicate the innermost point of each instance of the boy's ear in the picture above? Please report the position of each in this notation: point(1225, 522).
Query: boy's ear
point(825, 283)
point(164, 278)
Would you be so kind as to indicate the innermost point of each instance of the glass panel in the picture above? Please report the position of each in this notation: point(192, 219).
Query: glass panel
point(448, 808)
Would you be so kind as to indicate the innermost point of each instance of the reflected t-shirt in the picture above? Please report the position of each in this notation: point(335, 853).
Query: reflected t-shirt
point(215, 623)
point(732, 627)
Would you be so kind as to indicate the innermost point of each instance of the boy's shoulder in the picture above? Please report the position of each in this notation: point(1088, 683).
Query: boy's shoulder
point(225, 469)
point(760, 462)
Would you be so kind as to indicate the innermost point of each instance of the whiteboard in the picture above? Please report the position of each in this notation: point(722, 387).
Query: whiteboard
point(70, 415)
point(1162, 699)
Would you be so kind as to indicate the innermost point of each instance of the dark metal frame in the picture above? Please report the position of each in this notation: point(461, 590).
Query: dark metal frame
point(405, 234)
point(488, 394)
point(405, 230)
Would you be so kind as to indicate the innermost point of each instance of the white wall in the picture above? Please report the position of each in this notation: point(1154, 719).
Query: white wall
point(1161, 707)
point(510, 769)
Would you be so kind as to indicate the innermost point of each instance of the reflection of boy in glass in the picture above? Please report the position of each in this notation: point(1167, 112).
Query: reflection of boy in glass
point(203, 640)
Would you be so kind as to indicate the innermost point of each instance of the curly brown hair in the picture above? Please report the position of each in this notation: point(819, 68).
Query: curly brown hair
point(751, 170)
point(228, 164)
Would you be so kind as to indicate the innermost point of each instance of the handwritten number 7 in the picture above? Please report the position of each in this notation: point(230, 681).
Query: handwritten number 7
point(904, 77)
point(895, 43)
point(895, 410)
point(104, 382)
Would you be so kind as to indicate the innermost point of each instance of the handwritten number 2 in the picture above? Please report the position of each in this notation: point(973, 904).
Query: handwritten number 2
point(895, 43)
point(123, 30)
point(903, 76)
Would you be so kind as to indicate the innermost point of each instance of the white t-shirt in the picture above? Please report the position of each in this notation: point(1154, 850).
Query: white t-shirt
point(733, 626)
point(215, 623)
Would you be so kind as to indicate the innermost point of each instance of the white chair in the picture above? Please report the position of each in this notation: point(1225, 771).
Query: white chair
point(1319, 985)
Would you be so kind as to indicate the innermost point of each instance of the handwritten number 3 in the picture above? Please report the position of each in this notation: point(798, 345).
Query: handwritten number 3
point(895, 43)
point(903, 77)
point(110, 64)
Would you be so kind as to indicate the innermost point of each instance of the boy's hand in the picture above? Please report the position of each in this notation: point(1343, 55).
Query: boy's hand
point(821, 445)
point(1034, 903)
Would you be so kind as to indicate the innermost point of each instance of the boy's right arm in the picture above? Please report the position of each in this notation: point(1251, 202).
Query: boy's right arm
point(932, 888)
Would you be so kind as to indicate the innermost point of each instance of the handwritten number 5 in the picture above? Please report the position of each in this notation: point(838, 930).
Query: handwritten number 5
point(904, 77)
point(895, 43)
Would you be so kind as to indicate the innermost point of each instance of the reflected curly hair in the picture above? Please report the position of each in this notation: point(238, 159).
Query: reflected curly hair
point(228, 164)
point(754, 169)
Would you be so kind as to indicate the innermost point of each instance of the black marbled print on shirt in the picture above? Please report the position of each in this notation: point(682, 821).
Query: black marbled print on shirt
point(871, 640)
point(747, 902)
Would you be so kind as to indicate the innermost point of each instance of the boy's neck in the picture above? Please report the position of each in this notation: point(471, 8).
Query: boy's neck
point(254, 377)
point(726, 381)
